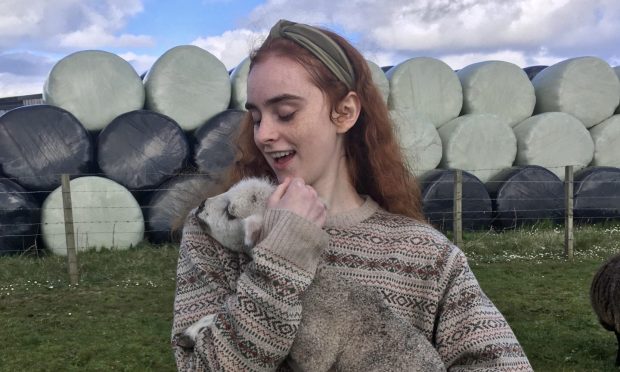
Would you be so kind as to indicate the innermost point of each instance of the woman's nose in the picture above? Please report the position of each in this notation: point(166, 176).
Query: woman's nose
point(266, 132)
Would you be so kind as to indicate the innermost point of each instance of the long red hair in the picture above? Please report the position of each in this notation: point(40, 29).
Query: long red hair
point(374, 158)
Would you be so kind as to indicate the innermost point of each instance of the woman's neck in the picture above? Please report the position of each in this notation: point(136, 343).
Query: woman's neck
point(337, 191)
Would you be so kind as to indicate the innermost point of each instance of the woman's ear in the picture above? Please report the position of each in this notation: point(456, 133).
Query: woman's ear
point(347, 112)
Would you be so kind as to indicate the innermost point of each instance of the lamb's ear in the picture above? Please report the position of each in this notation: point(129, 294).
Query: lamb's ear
point(251, 230)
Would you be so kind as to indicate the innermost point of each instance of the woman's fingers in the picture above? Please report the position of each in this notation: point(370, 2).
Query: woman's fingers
point(294, 195)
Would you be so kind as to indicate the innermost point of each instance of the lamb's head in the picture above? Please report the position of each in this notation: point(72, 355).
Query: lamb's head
point(234, 218)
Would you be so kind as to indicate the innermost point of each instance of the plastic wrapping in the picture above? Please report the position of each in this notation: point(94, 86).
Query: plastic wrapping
point(438, 200)
point(39, 143)
point(19, 218)
point(482, 144)
point(484, 91)
point(214, 148)
point(141, 149)
point(596, 194)
point(167, 207)
point(95, 86)
point(428, 86)
point(525, 195)
point(105, 214)
point(553, 140)
point(532, 71)
point(585, 87)
point(188, 84)
point(418, 140)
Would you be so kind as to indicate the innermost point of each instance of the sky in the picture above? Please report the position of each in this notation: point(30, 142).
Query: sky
point(35, 34)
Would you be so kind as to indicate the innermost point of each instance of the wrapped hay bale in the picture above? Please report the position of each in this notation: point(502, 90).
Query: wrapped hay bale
point(239, 84)
point(141, 149)
point(95, 86)
point(496, 87)
point(378, 77)
point(105, 214)
point(585, 87)
point(19, 220)
point(188, 84)
point(553, 140)
point(428, 86)
point(438, 200)
point(482, 144)
point(606, 138)
point(39, 143)
point(419, 140)
point(525, 195)
point(214, 146)
point(167, 207)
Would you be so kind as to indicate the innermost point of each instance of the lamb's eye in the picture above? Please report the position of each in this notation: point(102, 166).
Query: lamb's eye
point(228, 214)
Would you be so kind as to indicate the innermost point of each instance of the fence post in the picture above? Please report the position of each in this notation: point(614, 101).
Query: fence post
point(457, 209)
point(568, 206)
point(69, 234)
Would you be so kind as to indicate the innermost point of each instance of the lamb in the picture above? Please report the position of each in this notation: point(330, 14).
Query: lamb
point(361, 335)
point(605, 297)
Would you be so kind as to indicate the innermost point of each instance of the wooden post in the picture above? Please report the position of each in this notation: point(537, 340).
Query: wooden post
point(568, 205)
point(69, 234)
point(457, 220)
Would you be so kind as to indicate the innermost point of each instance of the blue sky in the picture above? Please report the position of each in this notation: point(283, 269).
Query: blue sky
point(35, 34)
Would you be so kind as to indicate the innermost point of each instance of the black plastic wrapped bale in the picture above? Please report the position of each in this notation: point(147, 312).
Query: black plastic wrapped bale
point(168, 206)
point(438, 200)
point(19, 218)
point(532, 71)
point(597, 194)
point(141, 149)
point(525, 195)
point(39, 143)
point(214, 149)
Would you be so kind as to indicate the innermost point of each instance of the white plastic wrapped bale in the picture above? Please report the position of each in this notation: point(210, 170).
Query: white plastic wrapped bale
point(606, 138)
point(553, 140)
point(95, 86)
point(378, 77)
point(428, 86)
point(188, 84)
point(585, 87)
point(482, 144)
point(497, 87)
point(239, 85)
point(617, 71)
point(105, 214)
point(419, 139)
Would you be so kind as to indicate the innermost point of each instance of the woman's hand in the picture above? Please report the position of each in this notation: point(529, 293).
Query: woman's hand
point(294, 195)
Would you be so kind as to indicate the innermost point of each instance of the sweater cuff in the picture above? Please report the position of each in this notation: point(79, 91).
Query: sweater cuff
point(293, 238)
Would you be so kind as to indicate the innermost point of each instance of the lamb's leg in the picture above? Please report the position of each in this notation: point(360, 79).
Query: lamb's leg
point(187, 339)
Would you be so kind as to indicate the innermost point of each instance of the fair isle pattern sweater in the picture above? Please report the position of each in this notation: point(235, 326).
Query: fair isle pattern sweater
point(256, 301)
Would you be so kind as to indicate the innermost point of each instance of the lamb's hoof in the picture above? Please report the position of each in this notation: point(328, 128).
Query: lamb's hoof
point(184, 341)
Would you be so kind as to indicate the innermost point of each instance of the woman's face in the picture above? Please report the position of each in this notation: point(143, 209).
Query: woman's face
point(292, 126)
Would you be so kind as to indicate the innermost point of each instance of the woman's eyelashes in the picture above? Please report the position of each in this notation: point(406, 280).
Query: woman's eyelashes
point(280, 116)
point(286, 117)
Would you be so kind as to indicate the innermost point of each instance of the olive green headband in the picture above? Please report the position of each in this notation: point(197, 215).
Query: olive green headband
point(319, 44)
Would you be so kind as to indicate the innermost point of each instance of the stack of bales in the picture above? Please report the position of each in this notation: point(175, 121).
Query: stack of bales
point(140, 153)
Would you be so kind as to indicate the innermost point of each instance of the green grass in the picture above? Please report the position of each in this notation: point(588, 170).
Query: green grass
point(119, 317)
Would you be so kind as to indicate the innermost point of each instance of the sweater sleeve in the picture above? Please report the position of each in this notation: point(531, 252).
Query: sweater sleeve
point(256, 306)
point(470, 333)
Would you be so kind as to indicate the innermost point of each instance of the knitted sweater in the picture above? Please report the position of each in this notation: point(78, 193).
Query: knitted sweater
point(256, 301)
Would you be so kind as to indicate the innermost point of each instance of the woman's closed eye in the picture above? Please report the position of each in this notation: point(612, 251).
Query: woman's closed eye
point(286, 116)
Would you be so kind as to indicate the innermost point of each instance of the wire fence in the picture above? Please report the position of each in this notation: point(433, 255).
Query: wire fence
point(452, 202)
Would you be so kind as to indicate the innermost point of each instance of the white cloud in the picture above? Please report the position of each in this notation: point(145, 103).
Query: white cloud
point(68, 23)
point(449, 27)
point(140, 62)
point(232, 46)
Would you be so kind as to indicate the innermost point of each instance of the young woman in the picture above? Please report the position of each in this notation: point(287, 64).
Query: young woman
point(345, 202)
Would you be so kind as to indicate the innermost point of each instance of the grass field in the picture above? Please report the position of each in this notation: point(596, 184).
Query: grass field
point(118, 318)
